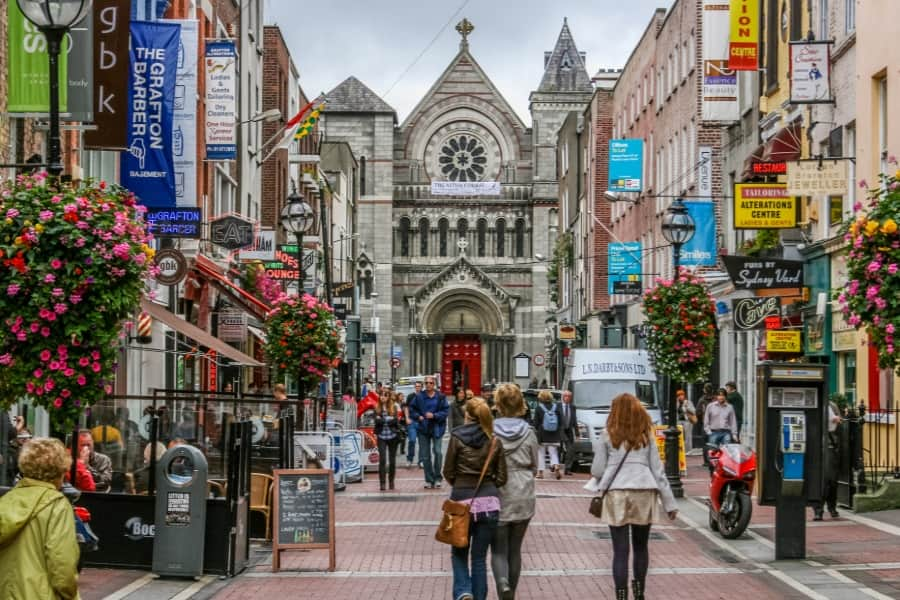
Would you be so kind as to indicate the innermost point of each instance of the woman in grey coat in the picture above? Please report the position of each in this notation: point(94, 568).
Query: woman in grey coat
point(520, 447)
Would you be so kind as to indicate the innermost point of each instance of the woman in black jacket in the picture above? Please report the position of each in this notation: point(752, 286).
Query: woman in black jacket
point(388, 421)
point(548, 423)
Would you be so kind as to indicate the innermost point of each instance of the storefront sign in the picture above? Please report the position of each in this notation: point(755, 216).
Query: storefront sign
point(110, 77)
point(810, 72)
point(751, 313)
point(748, 273)
point(704, 172)
point(842, 341)
point(623, 264)
point(182, 223)
point(743, 44)
point(769, 168)
point(763, 206)
point(231, 232)
point(780, 340)
point(700, 250)
point(80, 76)
point(172, 266)
point(719, 101)
point(817, 177)
point(232, 326)
point(566, 332)
point(342, 289)
point(263, 247)
point(184, 127)
point(627, 288)
point(221, 100)
point(626, 165)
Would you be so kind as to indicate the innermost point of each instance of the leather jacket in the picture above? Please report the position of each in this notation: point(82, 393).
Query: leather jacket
point(466, 453)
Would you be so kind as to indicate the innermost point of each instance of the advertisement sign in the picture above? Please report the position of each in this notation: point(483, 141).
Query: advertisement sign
point(743, 43)
point(183, 223)
point(817, 177)
point(764, 206)
point(465, 188)
point(704, 172)
point(284, 267)
point(627, 288)
point(626, 165)
point(566, 332)
point(780, 340)
point(810, 72)
point(221, 100)
point(232, 326)
point(700, 250)
point(80, 76)
point(769, 168)
point(748, 273)
point(232, 232)
point(184, 118)
point(147, 168)
point(263, 247)
point(660, 433)
point(110, 76)
point(172, 266)
point(751, 313)
point(623, 263)
point(719, 87)
point(28, 73)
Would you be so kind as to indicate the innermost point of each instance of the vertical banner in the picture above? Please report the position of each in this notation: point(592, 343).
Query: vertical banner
point(626, 165)
point(623, 263)
point(719, 87)
point(743, 45)
point(700, 250)
point(81, 71)
point(147, 167)
point(184, 121)
point(221, 102)
point(110, 76)
point(28, 74)
point(704, 172)
point(811, 72)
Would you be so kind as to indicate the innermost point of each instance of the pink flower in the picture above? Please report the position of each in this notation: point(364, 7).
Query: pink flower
point(56, 263)
point(95, 367)
point(12, 213)
point(6, 359)
point(65, 393)
point(81, 380)
point(45, 355)
point(58, 402)
point(12, 289)
point(69, 372)
point(84, 361)
point(35, 327)
point(38, 373)
point(889, 328)
point(45, 331)
point(892, 268)
point(49, 278)
point(95, 354)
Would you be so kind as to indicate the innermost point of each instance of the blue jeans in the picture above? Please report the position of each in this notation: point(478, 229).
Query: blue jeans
point(432, 456)
point(475, 581)
point(719, 437)
point(411, 431)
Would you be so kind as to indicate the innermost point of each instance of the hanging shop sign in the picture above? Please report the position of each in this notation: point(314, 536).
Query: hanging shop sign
point(623, 265)
point(28, 68)
point(566, 332)
point(751, 313)
point(748, 273)
point(110, 77)
point(764, 206)
point(80, 71)
point(817, 177)
point(232, 326)
point(769, 168)
point(704, 172)
point(263, 247)
point(221, 100)
point(781, 340)
point(231, 232)
point(810, 72)
point(719, 89)
point(700, 250)
point(172, 266)
point(743, 43)
point(184, 119)
point(626, 165)
point(180, 223)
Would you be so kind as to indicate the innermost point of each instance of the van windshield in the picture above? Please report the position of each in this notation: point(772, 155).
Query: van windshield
point(598, 393)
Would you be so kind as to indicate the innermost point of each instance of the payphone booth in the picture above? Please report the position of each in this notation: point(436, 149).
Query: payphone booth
point(791, 405)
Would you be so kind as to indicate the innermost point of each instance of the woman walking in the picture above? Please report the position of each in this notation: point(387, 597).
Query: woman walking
point(547, 419)
point(627, 465)
point(520, 449)
point(471, 447)
point(388, 421)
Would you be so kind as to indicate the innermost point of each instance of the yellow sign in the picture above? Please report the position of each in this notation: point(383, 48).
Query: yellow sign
point(817, 177)
point(567, 332)
point(778, 340)
point(660, 431)
point(763, 206)
point(743, 42)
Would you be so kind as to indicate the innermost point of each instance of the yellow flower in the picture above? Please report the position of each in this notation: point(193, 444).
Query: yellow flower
point(9, 221)
point(888, 226)
point(40, 228)
point(18, 240)
point(871, 228)
point(854, 229)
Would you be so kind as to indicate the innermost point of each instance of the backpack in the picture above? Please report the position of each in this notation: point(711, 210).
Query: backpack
point(551, 419)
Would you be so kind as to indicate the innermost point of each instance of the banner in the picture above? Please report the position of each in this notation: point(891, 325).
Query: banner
point(28, 74)
point(817, 177)
point(110, 77)
point(700, 250)
point(750, 273)
point(810, 72)
point(623, 263)
point(751, 313)
point(80, 76)
point(763, 206)
point(147, 168)
point(743, 45)
point(465, 188)
point(704, 172)
point(184, 118)
point(719, 87)
point(626, 165)
point(221, 100)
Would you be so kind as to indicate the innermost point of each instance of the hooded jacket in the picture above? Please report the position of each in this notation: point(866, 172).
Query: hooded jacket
point(520, 448)
point(466, 453)
point(38, 549)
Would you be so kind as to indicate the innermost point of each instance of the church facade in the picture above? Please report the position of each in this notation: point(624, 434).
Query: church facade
point(457, 217)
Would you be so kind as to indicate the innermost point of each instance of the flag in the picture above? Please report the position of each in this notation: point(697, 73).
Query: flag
point(306, 127)
point(290, 128)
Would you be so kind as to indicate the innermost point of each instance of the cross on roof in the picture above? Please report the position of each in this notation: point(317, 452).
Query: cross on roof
point(464, 28)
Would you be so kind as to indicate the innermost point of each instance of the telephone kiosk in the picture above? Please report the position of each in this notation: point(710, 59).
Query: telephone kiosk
point(791, 409)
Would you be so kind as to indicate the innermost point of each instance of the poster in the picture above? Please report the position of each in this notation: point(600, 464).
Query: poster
point(626, 165)
point(623, 263)
point(719, 86)
point(700, 250)
point(28, 74)
point(110, 95)
point(147, 165)
point(764, 206)
point(80, 72)
point(184, 117)
point(810, 72)
point(783, 340)
point(743, 43)
point(660, 431)
point(221, 100)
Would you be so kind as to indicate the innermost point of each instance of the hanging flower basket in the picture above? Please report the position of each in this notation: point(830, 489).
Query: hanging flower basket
point(680, 327)
point(302, 339)
point(871, 297)
point(73, 262)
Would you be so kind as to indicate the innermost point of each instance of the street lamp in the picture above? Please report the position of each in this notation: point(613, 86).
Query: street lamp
point(678, 229)
point(54, 18)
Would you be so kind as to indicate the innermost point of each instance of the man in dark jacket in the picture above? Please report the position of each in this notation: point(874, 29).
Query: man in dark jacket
point(429, 411)
point(569, 426)
point(737, 402)
point(412, 428)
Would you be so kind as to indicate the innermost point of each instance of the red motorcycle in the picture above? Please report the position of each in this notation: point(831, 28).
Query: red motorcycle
point(732, 473)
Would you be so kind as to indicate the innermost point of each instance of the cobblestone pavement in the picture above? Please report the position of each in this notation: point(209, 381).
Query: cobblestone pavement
point(385, 549)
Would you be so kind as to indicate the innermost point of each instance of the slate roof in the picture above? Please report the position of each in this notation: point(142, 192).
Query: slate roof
point(564, 70)
point(352, 95)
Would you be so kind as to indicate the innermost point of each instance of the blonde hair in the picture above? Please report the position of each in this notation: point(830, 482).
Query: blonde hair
point(391, 405)
point(44, 459)
point(479, 412)
point(545, 396)
point(469, 394)
point(509, 401)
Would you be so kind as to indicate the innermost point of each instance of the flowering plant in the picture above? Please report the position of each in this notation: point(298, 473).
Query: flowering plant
point(302, 338)
point(681, 327)
point(871, 297)
point(73, 261)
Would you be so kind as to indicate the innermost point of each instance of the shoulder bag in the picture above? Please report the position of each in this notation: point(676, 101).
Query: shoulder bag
point(454, 526)
point(596, 508)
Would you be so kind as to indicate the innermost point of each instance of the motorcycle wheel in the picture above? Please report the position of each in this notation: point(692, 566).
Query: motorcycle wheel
point(733, 525)
point(713, 519)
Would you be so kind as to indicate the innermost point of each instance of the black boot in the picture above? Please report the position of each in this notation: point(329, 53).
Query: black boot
point(638, 588)
point(621, 593)
point(391, 483)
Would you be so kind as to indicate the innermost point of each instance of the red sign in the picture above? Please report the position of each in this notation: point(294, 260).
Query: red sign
point(769, 168)
point(773, 322)
point(213, 371)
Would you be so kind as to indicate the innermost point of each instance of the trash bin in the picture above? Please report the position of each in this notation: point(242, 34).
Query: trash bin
point(180, 512)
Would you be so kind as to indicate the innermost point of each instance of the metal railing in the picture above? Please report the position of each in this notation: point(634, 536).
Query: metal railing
point(881, 453)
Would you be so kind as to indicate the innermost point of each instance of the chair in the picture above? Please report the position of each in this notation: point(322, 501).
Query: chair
point(261, 496)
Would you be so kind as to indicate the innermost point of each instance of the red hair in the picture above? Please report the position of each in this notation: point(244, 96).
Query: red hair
point(628, 422)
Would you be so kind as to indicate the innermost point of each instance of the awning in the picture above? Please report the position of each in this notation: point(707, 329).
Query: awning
point(784, 145)
point(203, 338)
point(239, 297)
point(257, 333)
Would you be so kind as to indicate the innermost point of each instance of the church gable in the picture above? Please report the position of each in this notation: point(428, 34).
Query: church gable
point(461, 271)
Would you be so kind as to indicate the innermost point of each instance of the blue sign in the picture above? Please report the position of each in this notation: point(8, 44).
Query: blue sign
point(624, 263)
point(626, 165)
point(700, 250)
point(183, 222)
point(147, 166)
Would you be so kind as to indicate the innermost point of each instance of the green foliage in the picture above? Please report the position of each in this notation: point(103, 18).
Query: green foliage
point(563, 256)
point(766, 239)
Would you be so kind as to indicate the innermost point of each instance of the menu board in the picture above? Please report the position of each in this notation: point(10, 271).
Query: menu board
point(304, 511)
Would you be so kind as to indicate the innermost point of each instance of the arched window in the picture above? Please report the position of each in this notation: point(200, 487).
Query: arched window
point(462, 230)
point(482, 236)
point(404, 236)
point(423, 237)
point(443, 227)
point(501, 237)
point(520, 238)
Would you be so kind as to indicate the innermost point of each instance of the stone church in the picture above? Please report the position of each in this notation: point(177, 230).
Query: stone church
point(457, 217)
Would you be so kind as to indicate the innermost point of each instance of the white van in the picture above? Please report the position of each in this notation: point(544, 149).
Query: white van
point(595, 377)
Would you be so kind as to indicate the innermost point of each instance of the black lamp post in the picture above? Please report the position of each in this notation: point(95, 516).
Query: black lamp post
point(54, 18)
point(678, 229)
point(297, 217)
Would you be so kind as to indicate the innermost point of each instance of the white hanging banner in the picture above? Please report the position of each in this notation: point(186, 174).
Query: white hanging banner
point(465, 188)
point(719, 100)
point(184, 117)
point(811, 72)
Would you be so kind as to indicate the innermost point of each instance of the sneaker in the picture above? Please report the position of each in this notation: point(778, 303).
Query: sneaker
point(429, 486)
point(465, 596)
point(818, 516)
point(834, 514)
point(437, 484)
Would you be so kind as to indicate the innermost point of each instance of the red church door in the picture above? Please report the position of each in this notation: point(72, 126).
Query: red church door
point(461, 364)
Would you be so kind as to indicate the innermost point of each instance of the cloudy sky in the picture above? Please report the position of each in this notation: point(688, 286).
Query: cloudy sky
point(378, 40)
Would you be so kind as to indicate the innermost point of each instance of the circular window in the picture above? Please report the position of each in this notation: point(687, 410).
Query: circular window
point(463, 158)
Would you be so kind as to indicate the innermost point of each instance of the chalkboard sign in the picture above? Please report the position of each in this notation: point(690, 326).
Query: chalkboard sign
point(303, 512)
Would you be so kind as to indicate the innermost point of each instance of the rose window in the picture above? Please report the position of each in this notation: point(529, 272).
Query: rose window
point(462, 158)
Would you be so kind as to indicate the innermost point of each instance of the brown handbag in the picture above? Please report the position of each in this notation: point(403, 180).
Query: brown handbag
point(454, 526)
point(596, 507)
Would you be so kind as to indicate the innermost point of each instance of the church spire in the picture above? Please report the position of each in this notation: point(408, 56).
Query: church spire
point(464, 28)
point(564, 69)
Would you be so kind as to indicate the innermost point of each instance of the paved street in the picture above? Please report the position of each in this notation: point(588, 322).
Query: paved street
point(385, 549)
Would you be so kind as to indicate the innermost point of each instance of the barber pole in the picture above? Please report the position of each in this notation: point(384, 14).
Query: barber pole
point(144, 328)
